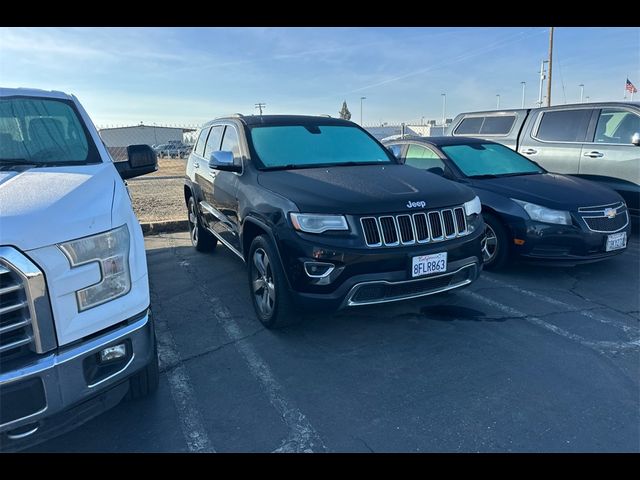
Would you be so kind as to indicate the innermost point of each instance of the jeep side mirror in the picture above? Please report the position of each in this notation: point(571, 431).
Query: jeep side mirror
point(223, 160)
point(635, 139)
point(141, 159)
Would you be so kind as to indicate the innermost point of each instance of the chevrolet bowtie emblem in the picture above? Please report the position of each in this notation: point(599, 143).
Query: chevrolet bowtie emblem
point(610, 212)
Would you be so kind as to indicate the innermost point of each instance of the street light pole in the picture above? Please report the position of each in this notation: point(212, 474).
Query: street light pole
point(581, 91)
point(444, 110)
point(542, 77)
point(361, 99)
point(497, 101)
point(550, 66)
point(524, 86)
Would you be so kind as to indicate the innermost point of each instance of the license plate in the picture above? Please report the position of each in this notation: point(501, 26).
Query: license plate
point(616, 241)
point(429, 264)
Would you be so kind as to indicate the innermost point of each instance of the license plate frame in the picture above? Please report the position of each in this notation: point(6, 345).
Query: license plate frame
point(426, 265)
point(616, 241)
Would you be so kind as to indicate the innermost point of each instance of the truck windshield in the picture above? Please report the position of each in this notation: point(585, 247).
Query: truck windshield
point(308, 146)
point(489, 160)
point(43, 131)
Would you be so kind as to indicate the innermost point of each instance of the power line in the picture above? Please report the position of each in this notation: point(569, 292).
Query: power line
point(260, 106)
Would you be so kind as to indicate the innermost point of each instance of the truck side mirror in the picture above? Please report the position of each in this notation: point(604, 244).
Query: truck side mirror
point(635, 139)
point(141, 159)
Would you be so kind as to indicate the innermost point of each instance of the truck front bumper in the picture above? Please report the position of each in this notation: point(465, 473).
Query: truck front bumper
point(69, 386)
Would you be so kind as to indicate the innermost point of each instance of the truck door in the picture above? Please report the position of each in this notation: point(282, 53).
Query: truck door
point(553, 138)
point(609, 157)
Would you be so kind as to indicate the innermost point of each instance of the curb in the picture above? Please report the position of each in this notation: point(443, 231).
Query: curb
point(167, 226)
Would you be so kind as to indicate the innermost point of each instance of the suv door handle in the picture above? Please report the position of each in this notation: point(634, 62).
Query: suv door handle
point(529, 151)
point(594, 154)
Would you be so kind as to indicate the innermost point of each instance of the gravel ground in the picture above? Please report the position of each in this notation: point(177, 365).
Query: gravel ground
point(159, 195)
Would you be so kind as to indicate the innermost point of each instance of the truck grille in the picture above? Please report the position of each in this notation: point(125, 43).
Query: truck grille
point(420, 227)
point(605, 218)
point(26, 321)
point(15, 318)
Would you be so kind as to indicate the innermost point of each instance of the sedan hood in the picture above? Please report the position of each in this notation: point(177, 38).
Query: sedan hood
point(560, 192)
point(45, 206)
point(364, 189)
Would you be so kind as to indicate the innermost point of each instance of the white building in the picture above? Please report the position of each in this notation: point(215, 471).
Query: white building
point(118, 139)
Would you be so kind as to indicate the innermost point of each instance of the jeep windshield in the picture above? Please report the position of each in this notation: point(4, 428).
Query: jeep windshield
point(43, 132)
point(309, 146)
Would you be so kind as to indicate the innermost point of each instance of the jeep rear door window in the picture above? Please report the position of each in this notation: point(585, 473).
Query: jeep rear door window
point(564, 125)
point(304, 146)
point(616, 126)
point(43, 131)
point(489, 160)
point(202, 139)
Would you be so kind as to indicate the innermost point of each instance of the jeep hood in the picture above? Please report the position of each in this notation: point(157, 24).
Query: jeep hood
point(45, 206)
point(365, 189)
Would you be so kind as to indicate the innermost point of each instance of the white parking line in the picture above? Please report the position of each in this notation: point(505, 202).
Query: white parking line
point(599, 346)
point(302, 436)
point(191, 421)
point(559, 303)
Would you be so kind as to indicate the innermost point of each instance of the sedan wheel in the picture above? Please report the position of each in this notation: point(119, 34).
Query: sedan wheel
point(489, 244)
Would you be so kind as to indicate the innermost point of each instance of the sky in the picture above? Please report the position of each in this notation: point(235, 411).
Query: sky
point(178, 76)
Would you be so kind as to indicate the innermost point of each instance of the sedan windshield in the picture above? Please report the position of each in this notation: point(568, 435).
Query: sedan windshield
point(308, 146)
point(489, 160)
point(43, 131)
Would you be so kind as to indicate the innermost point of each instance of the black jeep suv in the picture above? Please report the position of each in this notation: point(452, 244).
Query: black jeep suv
point(325, 216)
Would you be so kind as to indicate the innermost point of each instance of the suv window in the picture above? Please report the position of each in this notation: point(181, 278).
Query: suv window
point(422, 157)
point(564, 125)
point(489, 125)
point(213, 142)
point(616, 126)
point(199, 150)
point(230, 143)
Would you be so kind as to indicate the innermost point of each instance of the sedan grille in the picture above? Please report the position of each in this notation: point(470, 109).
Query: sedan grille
point(605, 218)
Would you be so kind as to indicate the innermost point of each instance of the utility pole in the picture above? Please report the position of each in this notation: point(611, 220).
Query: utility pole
point(444, 110)
point(550, 66)
point(260, 106)
point(524, 86)
point(581, 91)
point(542, 77)
point(361, 99)
point(497, 101)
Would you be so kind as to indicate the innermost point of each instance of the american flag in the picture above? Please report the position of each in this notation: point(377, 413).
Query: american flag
point(630, 87)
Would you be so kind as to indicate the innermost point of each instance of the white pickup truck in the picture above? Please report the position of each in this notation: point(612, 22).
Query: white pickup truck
point(76, 332)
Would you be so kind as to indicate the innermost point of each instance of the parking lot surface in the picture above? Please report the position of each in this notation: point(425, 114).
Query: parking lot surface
point(529, 359)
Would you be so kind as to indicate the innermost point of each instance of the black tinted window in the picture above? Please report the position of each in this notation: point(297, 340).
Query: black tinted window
point(469, 126)
point(230, 143)
point(564, 125)
point(199, 150)
point(499, 125)
point(213, 142)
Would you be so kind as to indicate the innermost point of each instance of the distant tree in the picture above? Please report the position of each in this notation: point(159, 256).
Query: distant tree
point(345, 113)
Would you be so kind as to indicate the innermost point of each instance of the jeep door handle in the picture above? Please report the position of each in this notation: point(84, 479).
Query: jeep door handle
point(594, 154)
point(530, 151)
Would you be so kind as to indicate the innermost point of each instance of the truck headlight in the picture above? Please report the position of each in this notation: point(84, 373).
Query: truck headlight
point(110, 250)
point(318, 223)
point(544, 214)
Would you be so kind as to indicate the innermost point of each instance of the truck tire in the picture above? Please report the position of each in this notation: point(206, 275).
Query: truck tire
point(146, 380)
point(201, 238)
point(495, 244)
point(268, 286)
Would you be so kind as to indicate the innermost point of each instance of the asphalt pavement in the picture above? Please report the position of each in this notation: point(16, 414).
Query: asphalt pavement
point(532, 359)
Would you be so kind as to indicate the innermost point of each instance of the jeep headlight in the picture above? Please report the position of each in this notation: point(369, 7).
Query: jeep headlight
point(318, 223)
point(544, 214)
point(472, 210)
point(110, 250)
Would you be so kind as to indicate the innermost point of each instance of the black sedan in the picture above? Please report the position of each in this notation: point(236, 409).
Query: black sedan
point(529, 212)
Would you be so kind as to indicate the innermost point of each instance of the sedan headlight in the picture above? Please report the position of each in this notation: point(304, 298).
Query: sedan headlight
point(318, 223)
point(110, 250)
point(544, 214)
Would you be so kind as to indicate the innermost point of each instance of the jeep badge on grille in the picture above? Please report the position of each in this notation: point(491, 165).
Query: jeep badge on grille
point(420, 204)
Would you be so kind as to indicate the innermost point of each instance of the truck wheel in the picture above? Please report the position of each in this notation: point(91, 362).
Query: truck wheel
point(146, 380)
point(201, 238)
point(495, 244)
point(268, 286)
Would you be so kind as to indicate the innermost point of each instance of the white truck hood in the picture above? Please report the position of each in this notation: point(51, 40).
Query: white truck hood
point(45, 206)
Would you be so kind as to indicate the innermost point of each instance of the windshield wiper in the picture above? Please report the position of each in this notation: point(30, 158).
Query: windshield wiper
point(487, 175)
